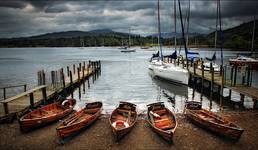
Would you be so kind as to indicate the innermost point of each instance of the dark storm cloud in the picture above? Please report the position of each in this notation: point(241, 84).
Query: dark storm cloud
point(32, 17)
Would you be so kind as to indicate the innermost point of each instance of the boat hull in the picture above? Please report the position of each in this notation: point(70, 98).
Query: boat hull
point(224, 130)
point(165, 134)
point(66, 131)
point(27, 124)
point(171, 73)
point(121, 132)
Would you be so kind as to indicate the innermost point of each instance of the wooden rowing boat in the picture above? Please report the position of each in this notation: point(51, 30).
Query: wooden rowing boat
point(46, 114)
point(213, 122)
point(79, 120)
point(122, 119)
point(162, 120)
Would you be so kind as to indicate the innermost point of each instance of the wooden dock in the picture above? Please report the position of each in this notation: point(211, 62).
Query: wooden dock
point(243, 87)
point(41, 94)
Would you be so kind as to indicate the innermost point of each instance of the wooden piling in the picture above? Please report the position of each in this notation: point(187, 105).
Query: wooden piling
point(78, 73)
point(73, 68)
point(4, 93)
point(235, 74)
point(211, 66)
point(31, 100)
point(68, 71)
point(71, 77)
point(44, 95)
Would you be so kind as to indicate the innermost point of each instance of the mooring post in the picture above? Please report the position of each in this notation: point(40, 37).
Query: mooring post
point(231, 75)
point(235, 74)
point(25, 87)
point(83, 72)
point(79, 92)
point(78, 73)
point(68, 71)
point(248, 75)
point(84, 64)
point(80, 66)
point(4, 93)
point(44, 94)
point(210, 66)
point(6, 110)
point(71, 78)
point(221, 87)
point(73, 68)
point(31, 100)
point(43, 78)
point(202, 66)
point(194, 68)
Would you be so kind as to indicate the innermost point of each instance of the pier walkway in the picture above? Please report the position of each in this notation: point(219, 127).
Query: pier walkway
point(40, 94)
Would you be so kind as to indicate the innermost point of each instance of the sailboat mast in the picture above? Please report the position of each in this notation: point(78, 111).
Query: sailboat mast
point(188, 17)
point(175, 21)
point(183, 32)
point(129, 38)
point(220, 30)
point(160, 42)
point(252, 49)
point(216, 32)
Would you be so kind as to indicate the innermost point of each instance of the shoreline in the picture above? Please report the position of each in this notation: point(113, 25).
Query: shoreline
point(99, 136)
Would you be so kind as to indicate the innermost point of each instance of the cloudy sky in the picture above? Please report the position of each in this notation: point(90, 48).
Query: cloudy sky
point(32, 17)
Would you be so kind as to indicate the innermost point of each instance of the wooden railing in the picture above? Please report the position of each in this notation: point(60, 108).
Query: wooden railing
point(13, 86)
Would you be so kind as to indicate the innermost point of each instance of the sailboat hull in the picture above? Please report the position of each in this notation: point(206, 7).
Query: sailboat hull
point(171, 73)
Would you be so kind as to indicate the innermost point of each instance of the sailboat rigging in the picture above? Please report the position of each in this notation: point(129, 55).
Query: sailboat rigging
point(164, 70)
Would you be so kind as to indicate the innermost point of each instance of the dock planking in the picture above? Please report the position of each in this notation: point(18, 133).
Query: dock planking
point(34, 97)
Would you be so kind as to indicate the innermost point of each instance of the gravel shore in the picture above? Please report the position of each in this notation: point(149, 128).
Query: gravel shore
point(99, 136)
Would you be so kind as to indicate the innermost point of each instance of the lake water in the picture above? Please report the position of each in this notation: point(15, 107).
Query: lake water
point(124, 76)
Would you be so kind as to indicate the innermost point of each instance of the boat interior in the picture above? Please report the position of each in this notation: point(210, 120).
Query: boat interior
point(162, 119)
point(205, 115)
point(45, 111)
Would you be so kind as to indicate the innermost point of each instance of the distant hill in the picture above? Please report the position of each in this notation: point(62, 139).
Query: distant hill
point(238, 37)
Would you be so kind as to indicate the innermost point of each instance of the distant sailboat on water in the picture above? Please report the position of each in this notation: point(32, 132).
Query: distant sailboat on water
point(128, 49)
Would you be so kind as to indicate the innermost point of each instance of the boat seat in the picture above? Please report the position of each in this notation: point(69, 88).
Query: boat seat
point(160, 112)
point(164, 124)
point(119, 117)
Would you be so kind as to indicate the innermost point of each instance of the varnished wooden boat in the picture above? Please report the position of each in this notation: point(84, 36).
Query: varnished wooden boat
point(79, 120)
point(162, 120)
point(46, 114)
point(213, 122)
point(123, 119)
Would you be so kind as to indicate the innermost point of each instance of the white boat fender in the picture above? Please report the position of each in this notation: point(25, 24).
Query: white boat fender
point(114, 124)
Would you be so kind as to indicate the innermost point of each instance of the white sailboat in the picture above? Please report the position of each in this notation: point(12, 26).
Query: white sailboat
point(164, 70)
point(128, 49)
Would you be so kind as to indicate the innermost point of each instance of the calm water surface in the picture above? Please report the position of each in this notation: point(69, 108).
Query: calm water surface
point(124, 77)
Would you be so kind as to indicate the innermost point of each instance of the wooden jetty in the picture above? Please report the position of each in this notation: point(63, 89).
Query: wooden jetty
point(60, 82)
point(232, 77)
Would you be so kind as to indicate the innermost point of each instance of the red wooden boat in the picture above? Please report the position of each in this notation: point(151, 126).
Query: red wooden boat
point(79, 120)
point(214, 122)
point(123, 119)
point(46, 114)
point(162, 120)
